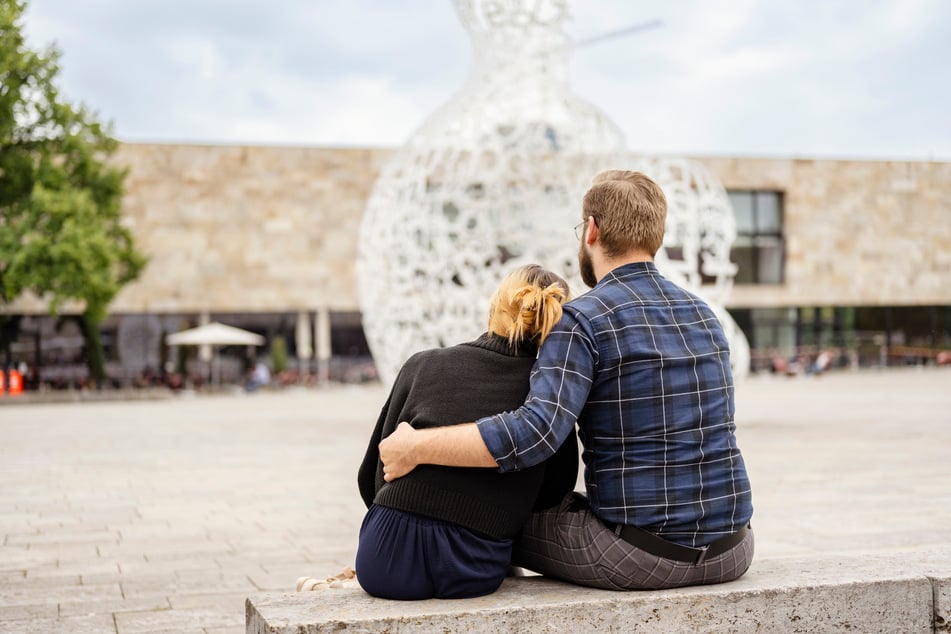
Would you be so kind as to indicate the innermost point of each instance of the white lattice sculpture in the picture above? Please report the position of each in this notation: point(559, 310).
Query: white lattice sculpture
point(494, 179)
point(701, 228)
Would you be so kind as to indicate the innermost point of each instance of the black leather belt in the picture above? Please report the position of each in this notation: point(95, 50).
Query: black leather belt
point(660, 547)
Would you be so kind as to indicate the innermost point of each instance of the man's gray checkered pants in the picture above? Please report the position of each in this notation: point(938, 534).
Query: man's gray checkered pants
point(569, 542)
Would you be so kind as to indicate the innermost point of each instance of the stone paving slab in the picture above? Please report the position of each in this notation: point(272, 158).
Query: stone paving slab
point(178, 620)
point(96, 624)
point(89, 607)
point(23, 594)
point(120, 505)
point(29, 612)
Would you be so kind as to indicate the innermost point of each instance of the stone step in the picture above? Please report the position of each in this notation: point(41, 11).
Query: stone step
point(877, 592)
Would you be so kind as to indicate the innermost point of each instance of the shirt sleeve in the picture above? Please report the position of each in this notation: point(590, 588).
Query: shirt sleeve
point(560, 383)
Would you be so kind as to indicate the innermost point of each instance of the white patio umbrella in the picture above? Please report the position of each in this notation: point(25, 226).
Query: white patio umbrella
point(215, 335)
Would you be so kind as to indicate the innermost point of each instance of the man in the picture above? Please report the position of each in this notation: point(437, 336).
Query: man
point(644, 369)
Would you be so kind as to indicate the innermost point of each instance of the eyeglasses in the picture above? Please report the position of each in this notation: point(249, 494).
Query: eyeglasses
point(579, 228)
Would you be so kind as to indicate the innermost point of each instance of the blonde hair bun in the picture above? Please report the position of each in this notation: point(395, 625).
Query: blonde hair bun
point(527, 304)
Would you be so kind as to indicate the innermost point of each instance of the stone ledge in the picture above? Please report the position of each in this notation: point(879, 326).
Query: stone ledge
point(905, 591)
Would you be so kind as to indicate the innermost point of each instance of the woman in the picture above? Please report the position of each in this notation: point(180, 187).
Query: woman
point(448, 532)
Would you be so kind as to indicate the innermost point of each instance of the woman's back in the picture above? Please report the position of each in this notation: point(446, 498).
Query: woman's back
point(448, 532)
point(457, 385)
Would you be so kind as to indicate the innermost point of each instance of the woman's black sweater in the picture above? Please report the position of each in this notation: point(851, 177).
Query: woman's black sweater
point(455, 385)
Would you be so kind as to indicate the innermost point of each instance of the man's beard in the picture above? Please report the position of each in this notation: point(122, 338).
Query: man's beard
point(586, 267)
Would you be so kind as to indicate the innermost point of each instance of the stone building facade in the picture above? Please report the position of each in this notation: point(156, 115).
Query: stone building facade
point(266, 238)
point(857, 232)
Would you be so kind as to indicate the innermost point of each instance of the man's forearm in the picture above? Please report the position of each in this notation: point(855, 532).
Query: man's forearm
point(453, 446)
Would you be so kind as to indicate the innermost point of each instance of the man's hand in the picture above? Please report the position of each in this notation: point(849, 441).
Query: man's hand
point(396, 452)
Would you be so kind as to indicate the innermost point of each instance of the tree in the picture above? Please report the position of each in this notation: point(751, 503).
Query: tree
point(61, 232)
point(278, 354)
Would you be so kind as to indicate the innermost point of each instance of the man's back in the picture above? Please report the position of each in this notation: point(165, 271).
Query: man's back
point(657, 428)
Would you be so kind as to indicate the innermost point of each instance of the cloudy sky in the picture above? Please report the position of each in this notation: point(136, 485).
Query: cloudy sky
point(825, 78)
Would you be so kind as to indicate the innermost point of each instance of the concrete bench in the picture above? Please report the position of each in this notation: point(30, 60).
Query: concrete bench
point(895, 592)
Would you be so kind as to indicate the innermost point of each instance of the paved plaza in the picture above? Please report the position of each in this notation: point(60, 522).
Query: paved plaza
point(162, 516)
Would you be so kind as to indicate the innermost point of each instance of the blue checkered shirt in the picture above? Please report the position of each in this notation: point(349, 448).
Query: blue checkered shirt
point(644, 368)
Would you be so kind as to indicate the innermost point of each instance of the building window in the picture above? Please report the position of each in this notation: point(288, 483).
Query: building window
point(759, 251)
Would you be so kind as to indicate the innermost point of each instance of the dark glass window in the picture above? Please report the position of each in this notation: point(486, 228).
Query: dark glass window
point(759, 250)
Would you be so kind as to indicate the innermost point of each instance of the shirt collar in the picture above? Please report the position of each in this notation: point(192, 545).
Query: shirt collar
point(629, 270)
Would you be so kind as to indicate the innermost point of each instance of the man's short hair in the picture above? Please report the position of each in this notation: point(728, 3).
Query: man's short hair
point(630, 210)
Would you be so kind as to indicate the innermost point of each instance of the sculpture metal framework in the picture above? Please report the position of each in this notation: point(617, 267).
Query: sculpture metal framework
point(494, 179)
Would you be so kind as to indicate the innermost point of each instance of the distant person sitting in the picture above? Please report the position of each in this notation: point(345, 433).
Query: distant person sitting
point(261, 375)
point(822, 363)
point(444, 532)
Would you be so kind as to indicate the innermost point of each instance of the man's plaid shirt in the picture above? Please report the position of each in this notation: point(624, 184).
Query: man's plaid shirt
point(644, 368)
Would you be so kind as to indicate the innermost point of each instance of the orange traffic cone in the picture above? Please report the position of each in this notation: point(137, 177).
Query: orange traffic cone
point(16, 383)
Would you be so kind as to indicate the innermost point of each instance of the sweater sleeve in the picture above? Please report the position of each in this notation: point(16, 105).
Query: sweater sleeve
point(366, 476)
point(370, 475)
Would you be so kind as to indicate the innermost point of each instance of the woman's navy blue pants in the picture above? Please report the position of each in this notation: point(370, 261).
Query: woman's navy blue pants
point(407, 556)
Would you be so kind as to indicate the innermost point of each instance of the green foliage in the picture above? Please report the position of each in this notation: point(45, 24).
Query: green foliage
point(278, 354)
point(61, 235)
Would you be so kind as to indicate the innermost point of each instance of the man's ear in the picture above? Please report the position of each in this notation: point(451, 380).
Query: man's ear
point(591, 236)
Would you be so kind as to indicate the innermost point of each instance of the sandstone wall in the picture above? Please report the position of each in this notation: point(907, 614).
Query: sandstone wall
point(249, 229)
point(857, 232)
point(245, 228)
